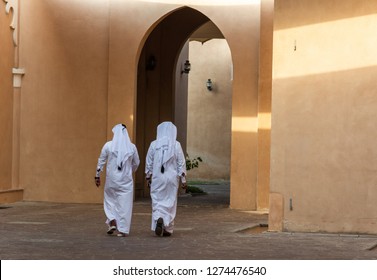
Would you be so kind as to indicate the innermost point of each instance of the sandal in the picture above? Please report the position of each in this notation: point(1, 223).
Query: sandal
point(159, 230)
point(111, 229)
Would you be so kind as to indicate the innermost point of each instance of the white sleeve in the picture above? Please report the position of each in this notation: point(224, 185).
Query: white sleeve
point(181, 161)
point(149, 161)
point(135, 160)
point(102, 159)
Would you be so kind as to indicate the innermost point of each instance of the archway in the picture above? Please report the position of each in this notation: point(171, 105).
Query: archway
point(161, 90)
point(210, 108)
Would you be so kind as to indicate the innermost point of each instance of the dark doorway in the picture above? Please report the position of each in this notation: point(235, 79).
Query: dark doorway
point(156, 81)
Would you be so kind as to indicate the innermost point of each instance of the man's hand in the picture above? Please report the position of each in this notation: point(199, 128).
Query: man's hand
point(98, 181)
point(183, 181)
point(149, 181)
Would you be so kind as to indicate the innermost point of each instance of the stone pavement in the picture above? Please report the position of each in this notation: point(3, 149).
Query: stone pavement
point(206, 228)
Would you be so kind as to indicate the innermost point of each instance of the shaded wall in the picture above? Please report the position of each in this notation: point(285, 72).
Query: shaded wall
point(264, 103)
point(181, 97)
point(324, 157)
point(210, 112)
point(6, 97)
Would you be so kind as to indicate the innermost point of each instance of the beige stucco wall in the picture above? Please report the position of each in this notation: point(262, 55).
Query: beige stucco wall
point(64, 50)
point(80, 60)
point(181, 98)
point(6, 97)
point(80, 79)
point(210, 112)
point(244, 47)
point(264, 104)
point(130, 31)
point(127, 34)
point(324, 111)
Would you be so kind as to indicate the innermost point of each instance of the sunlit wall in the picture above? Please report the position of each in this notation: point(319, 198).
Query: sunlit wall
point(324, 111)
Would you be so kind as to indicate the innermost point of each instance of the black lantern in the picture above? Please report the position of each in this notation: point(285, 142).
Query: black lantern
point(186, 67)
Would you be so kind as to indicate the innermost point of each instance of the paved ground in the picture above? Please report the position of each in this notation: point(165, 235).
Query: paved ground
point(205, 229)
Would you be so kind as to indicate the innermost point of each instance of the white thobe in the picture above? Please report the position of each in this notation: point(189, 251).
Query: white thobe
point(164, 186)
point(118, 194)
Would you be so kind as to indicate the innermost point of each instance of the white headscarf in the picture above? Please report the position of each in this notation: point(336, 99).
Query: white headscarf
point(121, 144)
point(166, 138)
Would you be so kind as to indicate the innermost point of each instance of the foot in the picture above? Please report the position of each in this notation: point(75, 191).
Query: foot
point(111, 229)
point(122, 234)
point(159, 227)
point(166, 233)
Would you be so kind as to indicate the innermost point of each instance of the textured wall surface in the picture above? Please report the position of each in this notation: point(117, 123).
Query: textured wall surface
point(324, 111)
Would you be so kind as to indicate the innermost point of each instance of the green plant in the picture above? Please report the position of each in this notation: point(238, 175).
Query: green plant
point(192, 163)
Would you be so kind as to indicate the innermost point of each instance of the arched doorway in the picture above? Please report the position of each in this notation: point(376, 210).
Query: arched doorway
point(161, 88)
point(210, 107)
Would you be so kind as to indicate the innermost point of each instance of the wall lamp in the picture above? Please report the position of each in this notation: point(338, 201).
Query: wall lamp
point(209, 85)
point(186, 67)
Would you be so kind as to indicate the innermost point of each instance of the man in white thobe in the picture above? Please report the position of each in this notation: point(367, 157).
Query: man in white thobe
point(165, 166)
point(122, 160)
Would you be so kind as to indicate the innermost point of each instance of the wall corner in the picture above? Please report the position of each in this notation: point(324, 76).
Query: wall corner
point(276, 213)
